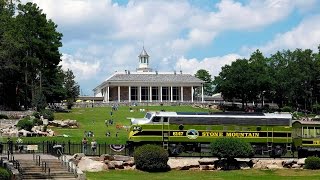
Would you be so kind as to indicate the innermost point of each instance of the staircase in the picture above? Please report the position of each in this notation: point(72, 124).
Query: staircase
point(31, 170)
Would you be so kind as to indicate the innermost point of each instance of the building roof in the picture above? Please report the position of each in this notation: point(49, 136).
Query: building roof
point(143, 53)
point(154, 77)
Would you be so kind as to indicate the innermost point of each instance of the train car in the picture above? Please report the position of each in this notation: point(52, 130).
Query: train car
point(306, 137)
point(268, 133)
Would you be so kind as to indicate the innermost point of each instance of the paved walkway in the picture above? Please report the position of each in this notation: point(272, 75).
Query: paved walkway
point(30, 156)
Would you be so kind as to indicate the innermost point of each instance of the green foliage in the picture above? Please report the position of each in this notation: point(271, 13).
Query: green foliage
point(316, 108)
point(3, 116)
point(71, 87)
point(47, 114)
point(25, 124)
point(231, 148)
point(4, 174)
point(312, 163)
point(206, 77)
point(37, 122)
point(39, 102)
point(36, 114)
point(151, 158)
point(286, 109)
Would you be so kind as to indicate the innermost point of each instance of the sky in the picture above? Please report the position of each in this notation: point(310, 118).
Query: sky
point(101, 37)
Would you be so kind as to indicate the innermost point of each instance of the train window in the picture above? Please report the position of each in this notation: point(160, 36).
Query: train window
point(165, 119)
point(312, 132)
point(156, 119)
point(259, 128)
point(305, 132)
point(317, 131)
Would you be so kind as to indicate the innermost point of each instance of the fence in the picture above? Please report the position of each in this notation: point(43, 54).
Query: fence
point(68, 148)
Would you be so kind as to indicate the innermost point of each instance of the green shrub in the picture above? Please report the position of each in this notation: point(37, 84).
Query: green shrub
point(151, 158)
point(286, 109)
point(231, 148)
point(36, 114)
point(47, 114)
point(4, 174)
point(312, 163)
point(25, 124)
point(37, 122)
point(3, 116)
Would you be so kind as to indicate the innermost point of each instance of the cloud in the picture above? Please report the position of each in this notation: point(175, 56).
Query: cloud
point(305, 36)
point(212, 65)
point(82, 70)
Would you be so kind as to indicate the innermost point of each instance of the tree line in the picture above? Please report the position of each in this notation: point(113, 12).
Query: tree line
point(29, 59)
point(287, 78)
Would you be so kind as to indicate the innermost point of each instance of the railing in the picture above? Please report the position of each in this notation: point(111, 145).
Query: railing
point(70, 166)
point(44, 167)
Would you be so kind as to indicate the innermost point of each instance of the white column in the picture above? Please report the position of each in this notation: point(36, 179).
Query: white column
point(160, 93)
point(202, 96)
point(108, 93)
point(150, 93)
point(171, 94)
point(181, 99)
point(105, 95)
point(129, 98)
point(139, 93)
point(191, 93)
point(118, 93)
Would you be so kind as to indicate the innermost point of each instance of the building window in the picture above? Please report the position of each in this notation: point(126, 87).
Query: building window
point(155, 93)
point(144, 93)
point(175, 93)
point(165, 94)
point(134, 93)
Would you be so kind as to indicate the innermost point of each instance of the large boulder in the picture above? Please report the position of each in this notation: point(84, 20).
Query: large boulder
point(87, 164)
point(301, 161)
point(121, 158)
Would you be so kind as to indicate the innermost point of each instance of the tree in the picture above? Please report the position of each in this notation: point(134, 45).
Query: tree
point(71, 88)
point(206, 77)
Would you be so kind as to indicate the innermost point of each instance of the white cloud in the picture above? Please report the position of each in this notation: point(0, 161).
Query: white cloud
point(212, 65)
point(305, 36)
point(82, 70)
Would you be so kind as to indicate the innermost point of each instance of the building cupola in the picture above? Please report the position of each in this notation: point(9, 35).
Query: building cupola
point(144, 62)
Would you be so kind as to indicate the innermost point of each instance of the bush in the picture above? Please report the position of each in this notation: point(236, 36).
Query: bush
point(4, 174)
point(3, 116)
point(47, 114)
point(230, 148)
point(25, 124)
point(37, 122)
point(36, 114)
point(286, 109)
point(151, 158)
point(312, 163)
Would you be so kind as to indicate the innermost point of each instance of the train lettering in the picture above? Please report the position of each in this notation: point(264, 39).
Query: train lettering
point(213, 134)
point(177, 133)
point(242, 134)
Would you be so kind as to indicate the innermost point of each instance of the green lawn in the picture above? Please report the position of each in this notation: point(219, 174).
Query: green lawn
point(285, 174)
point(93, 119)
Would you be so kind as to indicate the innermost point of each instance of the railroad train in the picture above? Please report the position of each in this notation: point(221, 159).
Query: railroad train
point(271, 134)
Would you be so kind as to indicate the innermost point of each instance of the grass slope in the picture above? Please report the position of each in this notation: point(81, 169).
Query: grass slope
point(253, 174)
point(93, 119)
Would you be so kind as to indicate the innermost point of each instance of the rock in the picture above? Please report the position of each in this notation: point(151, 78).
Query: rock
point(78, 156)
point(117, 164)
point(106, 157)
point(296, 166)
point(273, 166)
point(288, 163)
point(87, 164)
point(128, 163)
point(301, 161)
point(121, 158)
point(111, 166)
point(206, 162)
point(204, 167)
point(105, 167)
point(243, 165)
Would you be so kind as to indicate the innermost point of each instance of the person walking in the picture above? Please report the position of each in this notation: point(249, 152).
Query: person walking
point(10, 145)
point(94, 146)
point(84, 145)
point(19, 142)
